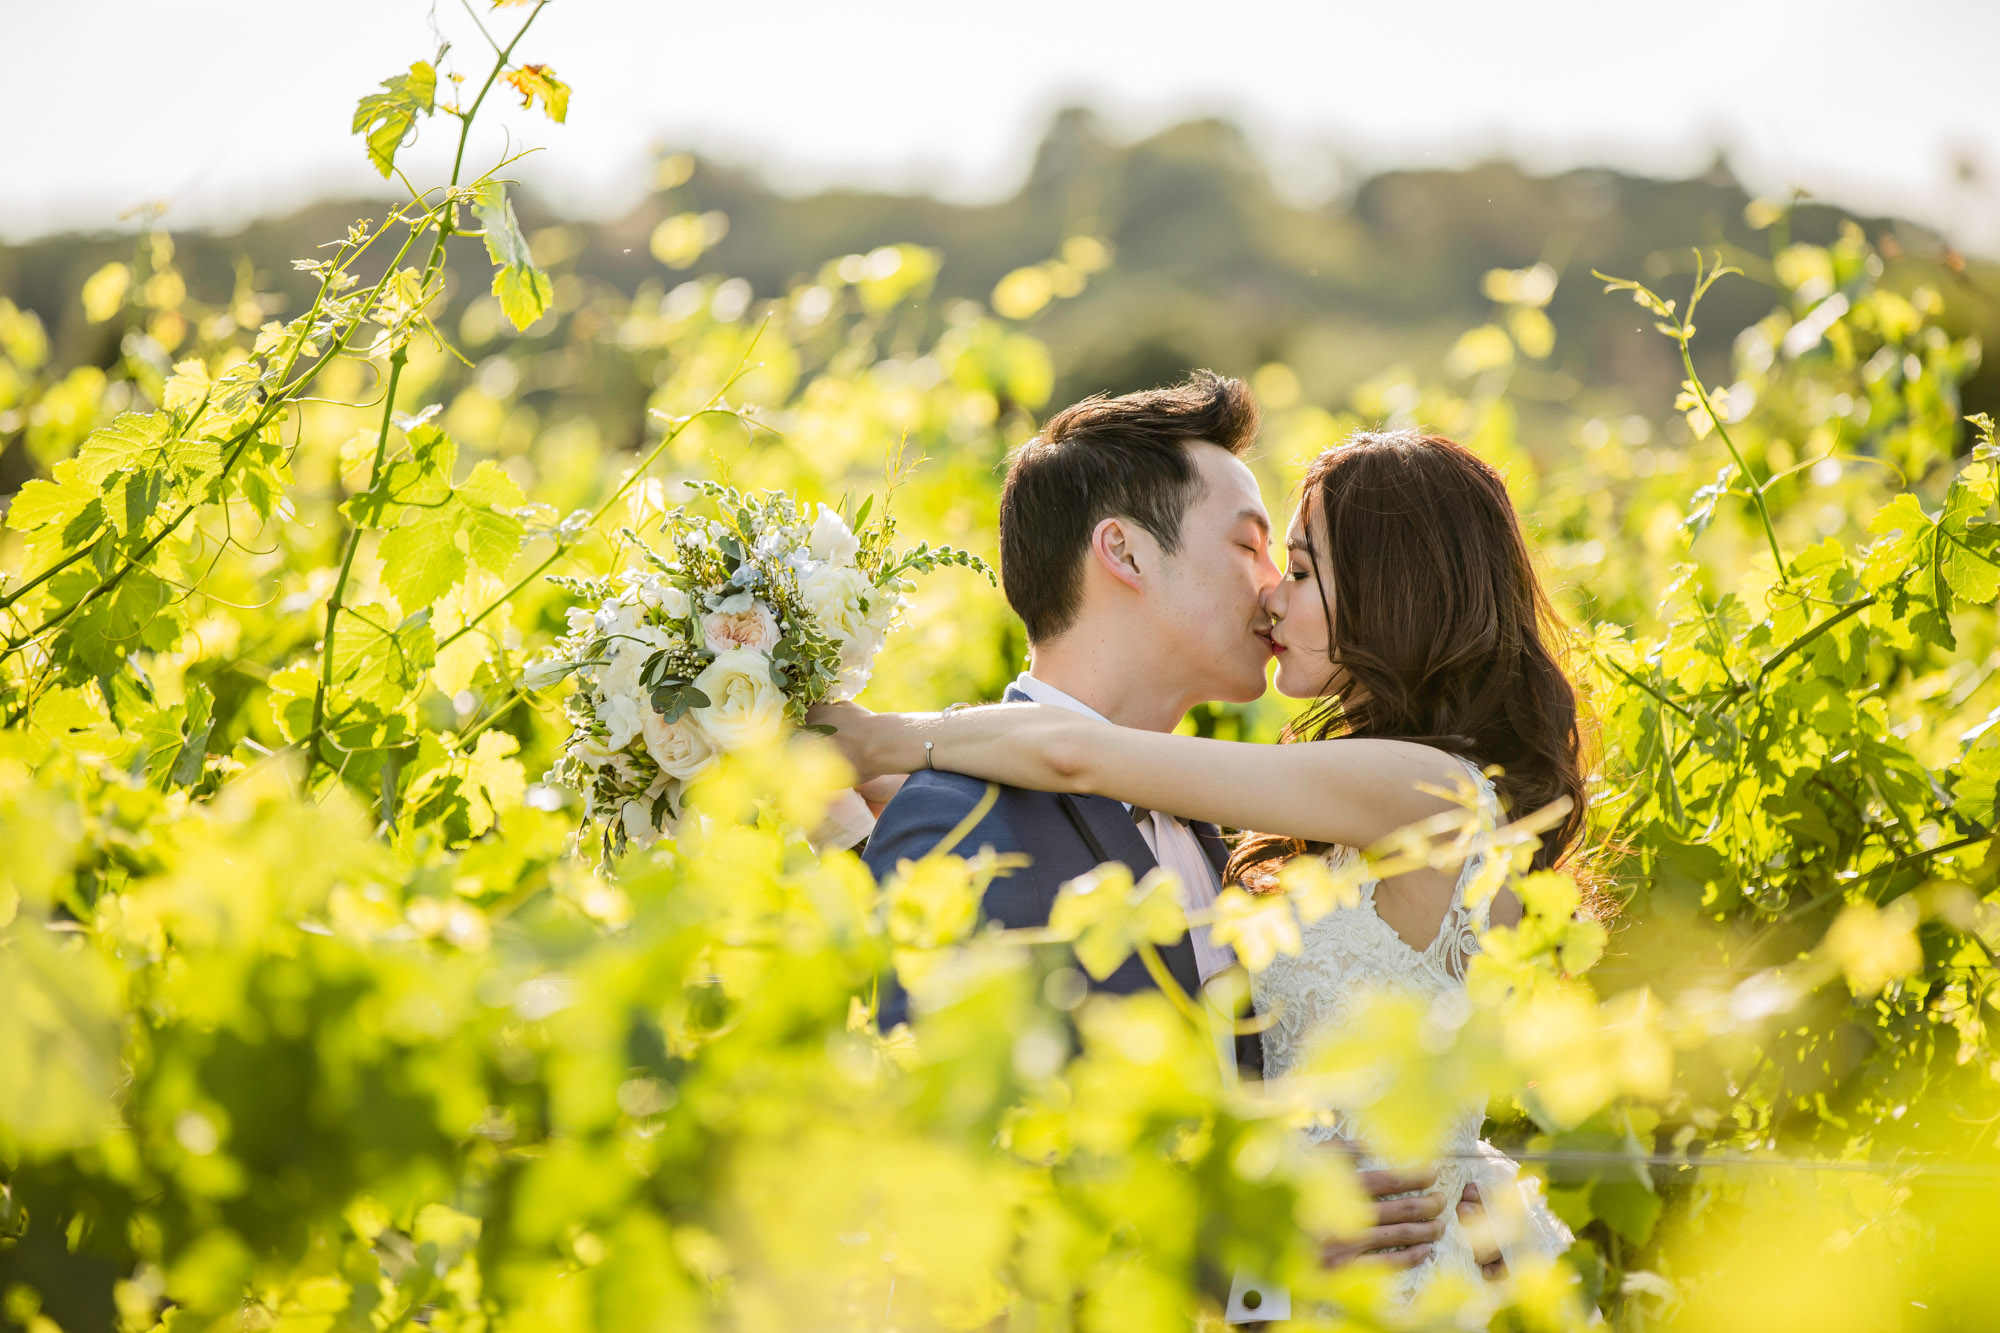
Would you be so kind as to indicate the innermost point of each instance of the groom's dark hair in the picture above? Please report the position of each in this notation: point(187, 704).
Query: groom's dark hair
point(1124, 457)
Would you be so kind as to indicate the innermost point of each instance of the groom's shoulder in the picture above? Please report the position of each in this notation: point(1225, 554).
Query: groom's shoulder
point(934, 794)
point(929, 806)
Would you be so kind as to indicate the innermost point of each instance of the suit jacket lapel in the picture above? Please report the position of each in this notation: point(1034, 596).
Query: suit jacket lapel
point(1110, 823)
point(1249, 1046)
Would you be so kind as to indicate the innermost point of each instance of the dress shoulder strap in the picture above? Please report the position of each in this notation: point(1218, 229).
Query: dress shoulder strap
point(1472, 896)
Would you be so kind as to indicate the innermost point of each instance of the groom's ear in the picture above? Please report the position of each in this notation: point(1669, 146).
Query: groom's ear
point(1117, 545)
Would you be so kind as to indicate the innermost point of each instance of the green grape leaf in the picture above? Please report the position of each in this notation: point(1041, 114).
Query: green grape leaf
point(291, 699)
point(68, 500)
point(189, 460)
point(492, 532)
point(388, 117)
point(1701, 509)
point(60, 1061)
point(134, 440)
point(1899, 528)
point(373, 661)
point(138, 459)
point(524, 291)
point(1977, 791)
point(141, 612)
point(422, 480)
point(1629, 1208)
point(172, 744)
point(525, 294)
point(1972, 563)
point(494, 784)
point(262, 473)
point(435, 548)
point(420, 562)
point(193, 755)
point(1108, 916)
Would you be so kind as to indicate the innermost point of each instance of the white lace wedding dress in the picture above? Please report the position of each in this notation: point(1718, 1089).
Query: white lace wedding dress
point(1352, 952)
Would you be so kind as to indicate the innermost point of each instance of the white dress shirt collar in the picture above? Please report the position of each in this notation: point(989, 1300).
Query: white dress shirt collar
point(1044, 693)
point(1172, 842)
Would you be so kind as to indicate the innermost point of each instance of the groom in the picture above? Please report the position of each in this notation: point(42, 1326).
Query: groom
point(1135, 548)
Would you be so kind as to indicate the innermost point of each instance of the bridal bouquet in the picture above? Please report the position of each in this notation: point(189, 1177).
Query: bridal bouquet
point(743, 622)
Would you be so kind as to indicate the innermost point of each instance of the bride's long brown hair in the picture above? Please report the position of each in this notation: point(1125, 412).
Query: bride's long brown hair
point(1439, 630)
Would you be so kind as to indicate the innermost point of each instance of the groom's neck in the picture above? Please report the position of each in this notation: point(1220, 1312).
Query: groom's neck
point(1125, 690)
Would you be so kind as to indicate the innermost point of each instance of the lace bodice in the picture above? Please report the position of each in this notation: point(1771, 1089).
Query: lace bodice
point(1351, 953)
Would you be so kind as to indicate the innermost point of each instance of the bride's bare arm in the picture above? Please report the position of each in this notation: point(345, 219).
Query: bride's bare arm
point(1353, 792)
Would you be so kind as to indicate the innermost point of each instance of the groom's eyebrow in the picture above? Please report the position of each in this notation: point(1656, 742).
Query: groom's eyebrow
point(1258, 517)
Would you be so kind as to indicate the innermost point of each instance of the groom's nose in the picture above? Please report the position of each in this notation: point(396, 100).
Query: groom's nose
point(1268, 577)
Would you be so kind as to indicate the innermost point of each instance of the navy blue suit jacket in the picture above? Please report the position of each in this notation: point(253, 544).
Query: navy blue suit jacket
point(1062, 836)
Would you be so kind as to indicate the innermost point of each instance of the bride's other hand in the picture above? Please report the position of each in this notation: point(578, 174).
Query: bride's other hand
point(878, 792)
point(1485, 1241)
point(1407, 1225)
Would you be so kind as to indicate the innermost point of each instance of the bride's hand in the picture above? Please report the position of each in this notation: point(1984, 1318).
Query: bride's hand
point(855, 731)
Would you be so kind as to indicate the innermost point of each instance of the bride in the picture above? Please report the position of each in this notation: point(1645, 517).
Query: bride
point(1410, 613)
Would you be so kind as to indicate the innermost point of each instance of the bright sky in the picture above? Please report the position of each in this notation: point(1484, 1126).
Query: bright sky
point(228, 108)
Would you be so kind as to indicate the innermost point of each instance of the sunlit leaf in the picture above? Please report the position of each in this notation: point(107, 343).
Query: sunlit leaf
point(388, 117)
point(523, 289)
point(538, 82)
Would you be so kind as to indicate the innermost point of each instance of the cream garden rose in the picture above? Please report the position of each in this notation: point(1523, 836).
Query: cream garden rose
point(749, 626)
point(680, 748)
point(839, 596)
point(745, 705)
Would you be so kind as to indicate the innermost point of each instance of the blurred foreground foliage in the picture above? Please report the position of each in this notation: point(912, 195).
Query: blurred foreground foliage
point(311, 1019)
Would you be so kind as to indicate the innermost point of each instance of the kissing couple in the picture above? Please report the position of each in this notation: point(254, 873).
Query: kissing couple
point(1136, 549)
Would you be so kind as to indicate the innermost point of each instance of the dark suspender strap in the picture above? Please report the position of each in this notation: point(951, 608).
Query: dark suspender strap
point(1082, 826)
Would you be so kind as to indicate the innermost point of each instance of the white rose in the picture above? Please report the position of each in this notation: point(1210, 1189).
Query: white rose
point(744, 703)
point(831, 540)
point(678, 747)
point(592, 751)
point(838, 596)
point(617, 617)
point(626, 660)
point(856, 614)
point(638, 820)
point(622, 716)
point(661, 594)
point(857, 664)
point(751, 627)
